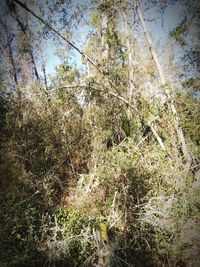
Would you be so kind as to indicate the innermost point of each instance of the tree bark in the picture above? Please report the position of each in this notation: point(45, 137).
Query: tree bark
point(24, 29)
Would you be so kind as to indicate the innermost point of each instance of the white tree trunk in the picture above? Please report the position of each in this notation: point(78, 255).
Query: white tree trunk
point(178, 129)
point(129, 44)
point(104, 43)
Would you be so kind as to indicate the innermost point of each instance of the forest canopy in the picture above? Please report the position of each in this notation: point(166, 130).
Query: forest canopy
point(100, 122)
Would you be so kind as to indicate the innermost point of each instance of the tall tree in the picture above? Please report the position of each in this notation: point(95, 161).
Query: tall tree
point(24, 37)
point(180, 134)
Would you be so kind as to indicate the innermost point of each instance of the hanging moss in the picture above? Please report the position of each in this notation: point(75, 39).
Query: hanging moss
point(178, 32)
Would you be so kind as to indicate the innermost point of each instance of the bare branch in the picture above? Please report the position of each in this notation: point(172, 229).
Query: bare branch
point(104, 91)
point(57, 32)
point(157, 137)
point(178, 129)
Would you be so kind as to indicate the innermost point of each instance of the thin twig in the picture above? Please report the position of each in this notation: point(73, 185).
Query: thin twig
point(157, 137)
point(37, 192)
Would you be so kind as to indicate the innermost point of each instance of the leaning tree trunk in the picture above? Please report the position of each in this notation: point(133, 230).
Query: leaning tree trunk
point(178, 129)
point(129, 45)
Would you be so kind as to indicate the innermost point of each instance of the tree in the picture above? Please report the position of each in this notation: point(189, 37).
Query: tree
point(97, 163)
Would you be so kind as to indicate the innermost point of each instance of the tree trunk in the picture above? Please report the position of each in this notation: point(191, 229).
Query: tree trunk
point(129, 44)
point(34, 64)
point(104, 43)
point(9, 40)
point(178, 129)
point(24, 29)
point(14, 70)
point(45, 75)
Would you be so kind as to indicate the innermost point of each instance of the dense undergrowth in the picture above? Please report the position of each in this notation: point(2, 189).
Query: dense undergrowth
point(93, 186)
point(98, 166)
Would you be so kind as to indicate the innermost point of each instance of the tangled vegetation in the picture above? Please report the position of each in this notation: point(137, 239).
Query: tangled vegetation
point(90, 177)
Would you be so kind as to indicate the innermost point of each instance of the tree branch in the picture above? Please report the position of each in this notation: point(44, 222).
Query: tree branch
point(178, 129)
point(101, 90)
point(57, 32)
point(156, 135)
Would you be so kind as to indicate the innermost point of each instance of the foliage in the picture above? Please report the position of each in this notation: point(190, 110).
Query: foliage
point(179, 31)
point(84, 180)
